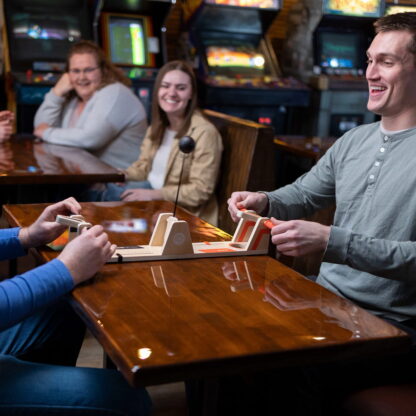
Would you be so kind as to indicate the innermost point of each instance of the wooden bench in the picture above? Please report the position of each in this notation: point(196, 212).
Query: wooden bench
point(248, 161)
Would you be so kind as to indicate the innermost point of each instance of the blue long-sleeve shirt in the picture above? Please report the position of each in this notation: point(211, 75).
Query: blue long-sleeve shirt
point(24, 294)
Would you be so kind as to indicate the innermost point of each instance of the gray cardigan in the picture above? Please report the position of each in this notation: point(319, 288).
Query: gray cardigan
point(371, 253)
point(111, 126)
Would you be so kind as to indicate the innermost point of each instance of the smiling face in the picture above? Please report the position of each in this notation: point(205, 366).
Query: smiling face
point(85, 75)
point(391, 75)
point(174, 94)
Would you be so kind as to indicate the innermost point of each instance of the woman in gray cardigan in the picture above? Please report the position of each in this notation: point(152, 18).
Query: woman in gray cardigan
point(91, 107)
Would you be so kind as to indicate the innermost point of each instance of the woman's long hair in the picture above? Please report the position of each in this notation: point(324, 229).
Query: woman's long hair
point(159, 119)
point(109, 72)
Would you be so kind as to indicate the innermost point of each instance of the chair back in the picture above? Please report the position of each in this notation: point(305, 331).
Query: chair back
point(248, 160)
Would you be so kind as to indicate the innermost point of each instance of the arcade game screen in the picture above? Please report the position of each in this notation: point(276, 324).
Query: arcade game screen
point(127, 40)
point(260, 4)
point(393, 9)
point(365, 8)
point(339, 50)
point(232, 60)
point(42, 37)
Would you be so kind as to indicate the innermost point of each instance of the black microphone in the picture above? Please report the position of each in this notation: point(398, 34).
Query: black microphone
point(186, 145)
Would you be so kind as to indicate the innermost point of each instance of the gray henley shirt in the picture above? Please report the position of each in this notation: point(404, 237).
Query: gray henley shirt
point(371, 254)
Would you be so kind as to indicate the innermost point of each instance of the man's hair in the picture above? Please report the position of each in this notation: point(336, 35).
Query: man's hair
point(399, 21)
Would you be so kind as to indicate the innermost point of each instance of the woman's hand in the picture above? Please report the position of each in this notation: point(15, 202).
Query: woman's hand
point(6, 125)
point(63, 86)
point(40, 129)
point(6, 115)
point(6, 157)
point(6, 130)
point(141, 195)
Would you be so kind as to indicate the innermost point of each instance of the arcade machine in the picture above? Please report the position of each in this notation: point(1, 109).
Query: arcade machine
point(39, 34)
point(340, 43)
point(402, 7)
point(237, 68)
point(132, 34)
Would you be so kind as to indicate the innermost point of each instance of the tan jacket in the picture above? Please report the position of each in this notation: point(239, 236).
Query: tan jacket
point(200, 172)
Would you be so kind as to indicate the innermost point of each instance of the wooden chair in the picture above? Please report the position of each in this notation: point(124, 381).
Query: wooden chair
point(248, 161)
point(249, 164)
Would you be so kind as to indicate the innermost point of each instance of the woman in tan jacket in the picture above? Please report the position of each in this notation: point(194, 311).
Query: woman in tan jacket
point(155, 176)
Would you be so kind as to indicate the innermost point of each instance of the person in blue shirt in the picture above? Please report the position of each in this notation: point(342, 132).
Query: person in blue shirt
point(40, 335)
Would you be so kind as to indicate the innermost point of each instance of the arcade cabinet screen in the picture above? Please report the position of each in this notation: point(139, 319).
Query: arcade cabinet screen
point(339, 50)
point(364, 8)
point(399, 9)
point(126, 40)
point(42, 37)
point(229, 61)
point(258, 4)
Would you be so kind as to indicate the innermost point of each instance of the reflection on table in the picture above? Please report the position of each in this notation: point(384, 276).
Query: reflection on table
point(163, 321)
point(282, 293)
point(27, 160)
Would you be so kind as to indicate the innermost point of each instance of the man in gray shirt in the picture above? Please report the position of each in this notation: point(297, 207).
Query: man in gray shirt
point(370, 250)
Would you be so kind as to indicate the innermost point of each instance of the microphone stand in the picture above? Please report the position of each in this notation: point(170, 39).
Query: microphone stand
point(179, 185)
point(186, 145)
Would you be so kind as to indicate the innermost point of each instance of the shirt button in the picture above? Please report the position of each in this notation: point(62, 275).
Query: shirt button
point(382, 149)
point(371, 177)
point(377, 163)
point(386, 138)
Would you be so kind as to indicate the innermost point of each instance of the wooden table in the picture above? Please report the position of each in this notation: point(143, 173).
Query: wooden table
point(26, 160)
point(305, 146)
point(174, 320)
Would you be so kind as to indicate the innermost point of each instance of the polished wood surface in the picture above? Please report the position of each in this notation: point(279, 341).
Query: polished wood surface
point(173, 320)
point(248, 160)
point(305, 146)
point(26, 160)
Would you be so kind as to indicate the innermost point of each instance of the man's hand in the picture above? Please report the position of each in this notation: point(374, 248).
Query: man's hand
point(45, 229)
point(63, 86)
point(255, 201)
point(40, 129)
point(298, 237)
point(141, 195)
point(87, 253)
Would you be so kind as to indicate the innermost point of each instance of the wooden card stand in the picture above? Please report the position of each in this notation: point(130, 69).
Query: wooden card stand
point(171, 240)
